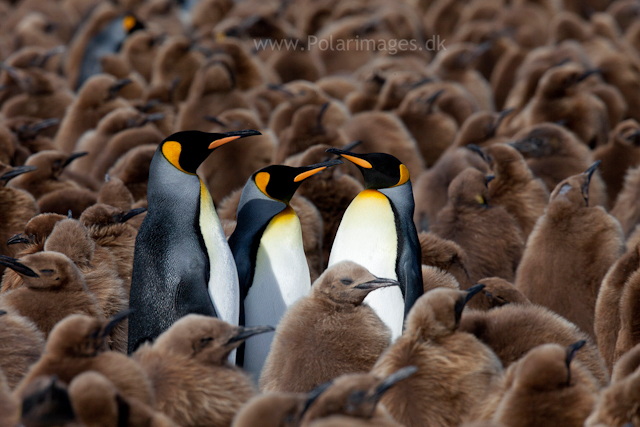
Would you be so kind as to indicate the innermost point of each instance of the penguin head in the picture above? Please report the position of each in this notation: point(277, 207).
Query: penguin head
point(45, 271)
point(470, 189)
point(206, 339)
point(379, 170)
point(9, 172)
point(280, 182)
point(438, 312)
point(627, 134)
point(45, 401)
point(546, 367)
point(187, 150)
point(575, 189)
point(349, 283)
point(131, 24)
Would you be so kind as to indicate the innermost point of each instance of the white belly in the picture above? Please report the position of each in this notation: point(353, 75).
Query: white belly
point(224, 287)
point(367, 236)
point(280, 279)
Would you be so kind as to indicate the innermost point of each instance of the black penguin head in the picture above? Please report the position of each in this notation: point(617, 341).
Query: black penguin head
point(280, 182)
point(188, 149)
point(379, 170)
point(131, 24)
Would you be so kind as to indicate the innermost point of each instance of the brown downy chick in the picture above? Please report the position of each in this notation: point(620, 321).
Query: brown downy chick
point(607, 316)
point(333, 316)
point(352, 400)
point(433, 130)
point(553, 154)
point(446, 256)
point(194, 383)
point(118, 67)
point(18, 207)
point(454, 368)
point(46, 177)
point(133, 170)
point(22, 346)
point(626, 209)
point(621, 153)
point(546, 388)
point(629, 333)
point(514, 187)
point(487, 233)
point(569, 252)
point(139, 50)
point(114, 193)
point(496, 293)
point(96, 98)
point(32, 134)
point(98, 265)
point(396, 87)
point(617, 405)
point(514, 329)
point(307, 129)
point(233, 164)
point(621, 70)
point(249, 72)
point(431, 187)
point(213, 91)
point(45, 402)
point(53, 289)
point(275, 409)
point(78, 344)
point(433, 277)
point(382, 132)
point(9, 405)
point(176, 59)
point(97, 402)
point(63, 200)
point(560, 96)
point(264, 99)
point(481, 129)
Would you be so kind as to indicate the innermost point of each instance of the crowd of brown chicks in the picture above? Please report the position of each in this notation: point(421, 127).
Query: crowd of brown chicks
point(500, 124)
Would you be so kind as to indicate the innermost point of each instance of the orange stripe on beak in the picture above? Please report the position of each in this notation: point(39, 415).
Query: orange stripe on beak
point(307, 174)
point(218, 142)
point(358, 161)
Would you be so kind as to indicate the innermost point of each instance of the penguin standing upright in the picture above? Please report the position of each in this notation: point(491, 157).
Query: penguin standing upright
point(268, 250)
point(377, 232)
point(181, 250)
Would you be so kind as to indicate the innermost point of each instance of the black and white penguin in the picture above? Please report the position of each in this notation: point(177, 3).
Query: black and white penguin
point(377, 232)
point(182, 263)
point(268, 249)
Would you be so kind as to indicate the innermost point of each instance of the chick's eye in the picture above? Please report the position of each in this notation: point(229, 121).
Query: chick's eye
point(346, 282)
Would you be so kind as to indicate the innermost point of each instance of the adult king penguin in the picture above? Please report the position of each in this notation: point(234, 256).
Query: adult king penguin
point(377, 232)
point(268, 250)
point(181, 251)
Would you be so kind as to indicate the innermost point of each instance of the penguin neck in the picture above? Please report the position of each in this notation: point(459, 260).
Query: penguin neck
point(166, 181)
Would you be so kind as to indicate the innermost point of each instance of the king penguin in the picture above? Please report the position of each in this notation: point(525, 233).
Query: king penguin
point(181, 251)
point(377, 232)
point(269, 254)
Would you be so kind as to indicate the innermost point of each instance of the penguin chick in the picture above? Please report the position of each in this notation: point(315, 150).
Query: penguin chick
point(139, 51)
point(23, 344)
point(572, 243)
point(628, 332)
point(96, 98)
point(431, 341)
point(33, 134)
point(332, 315)
point(446, 256)
point(78, 344)
point(432, 185)
point(133, 170)
point(471, 222)
point(18, 207)
point(626, 209)
point(607, 314)
point(496, 293)
point(617, 404)
point(553, 154)
point(46, 177)
point(275, 409)
point(352, 399)
point(514, 329)
point(621, 153)
point(53, 289)
point(97, 402)
point(194, 383)
point(515, 188)
point(114, 193)
point(45, 401)
point(65, 200)
point(546, 378)
point(481, 129)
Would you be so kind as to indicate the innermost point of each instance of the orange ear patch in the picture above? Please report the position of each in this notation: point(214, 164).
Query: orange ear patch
point(262, 179)
point(404, 175)
point(128, 22)
point(171, 151)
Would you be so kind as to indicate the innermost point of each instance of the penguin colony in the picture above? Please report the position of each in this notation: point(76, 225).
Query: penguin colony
point(231, 213)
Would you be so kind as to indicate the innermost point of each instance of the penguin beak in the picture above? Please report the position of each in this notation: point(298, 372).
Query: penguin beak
point(245, 333)
point(114, 321)
point(527, 145)
point(73, 157)
point(461, 303)
point(17, 266)
point(433, 98)
point(126, 216)
point(13, 73)
point(16, 171)
point(117, 86)
point(478, 151)
point(313, 395)
point(421, 82)
point(232, 136)
point(321, 114)
point(571, 352)
point(589, 73)
point(392, 380)
point(352, 157)
point(50, 54)
point(499, 119)
point(314, 169)
point(488, 179)
point(44, 124)
point(152, 118)
point(634, 137)
point(377, 284)
point(214, 119)
point(3, 312)
point(588, 174)
point(280, 88)
point(18, 238)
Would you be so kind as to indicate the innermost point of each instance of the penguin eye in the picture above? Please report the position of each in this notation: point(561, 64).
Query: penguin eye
point(346, 282)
